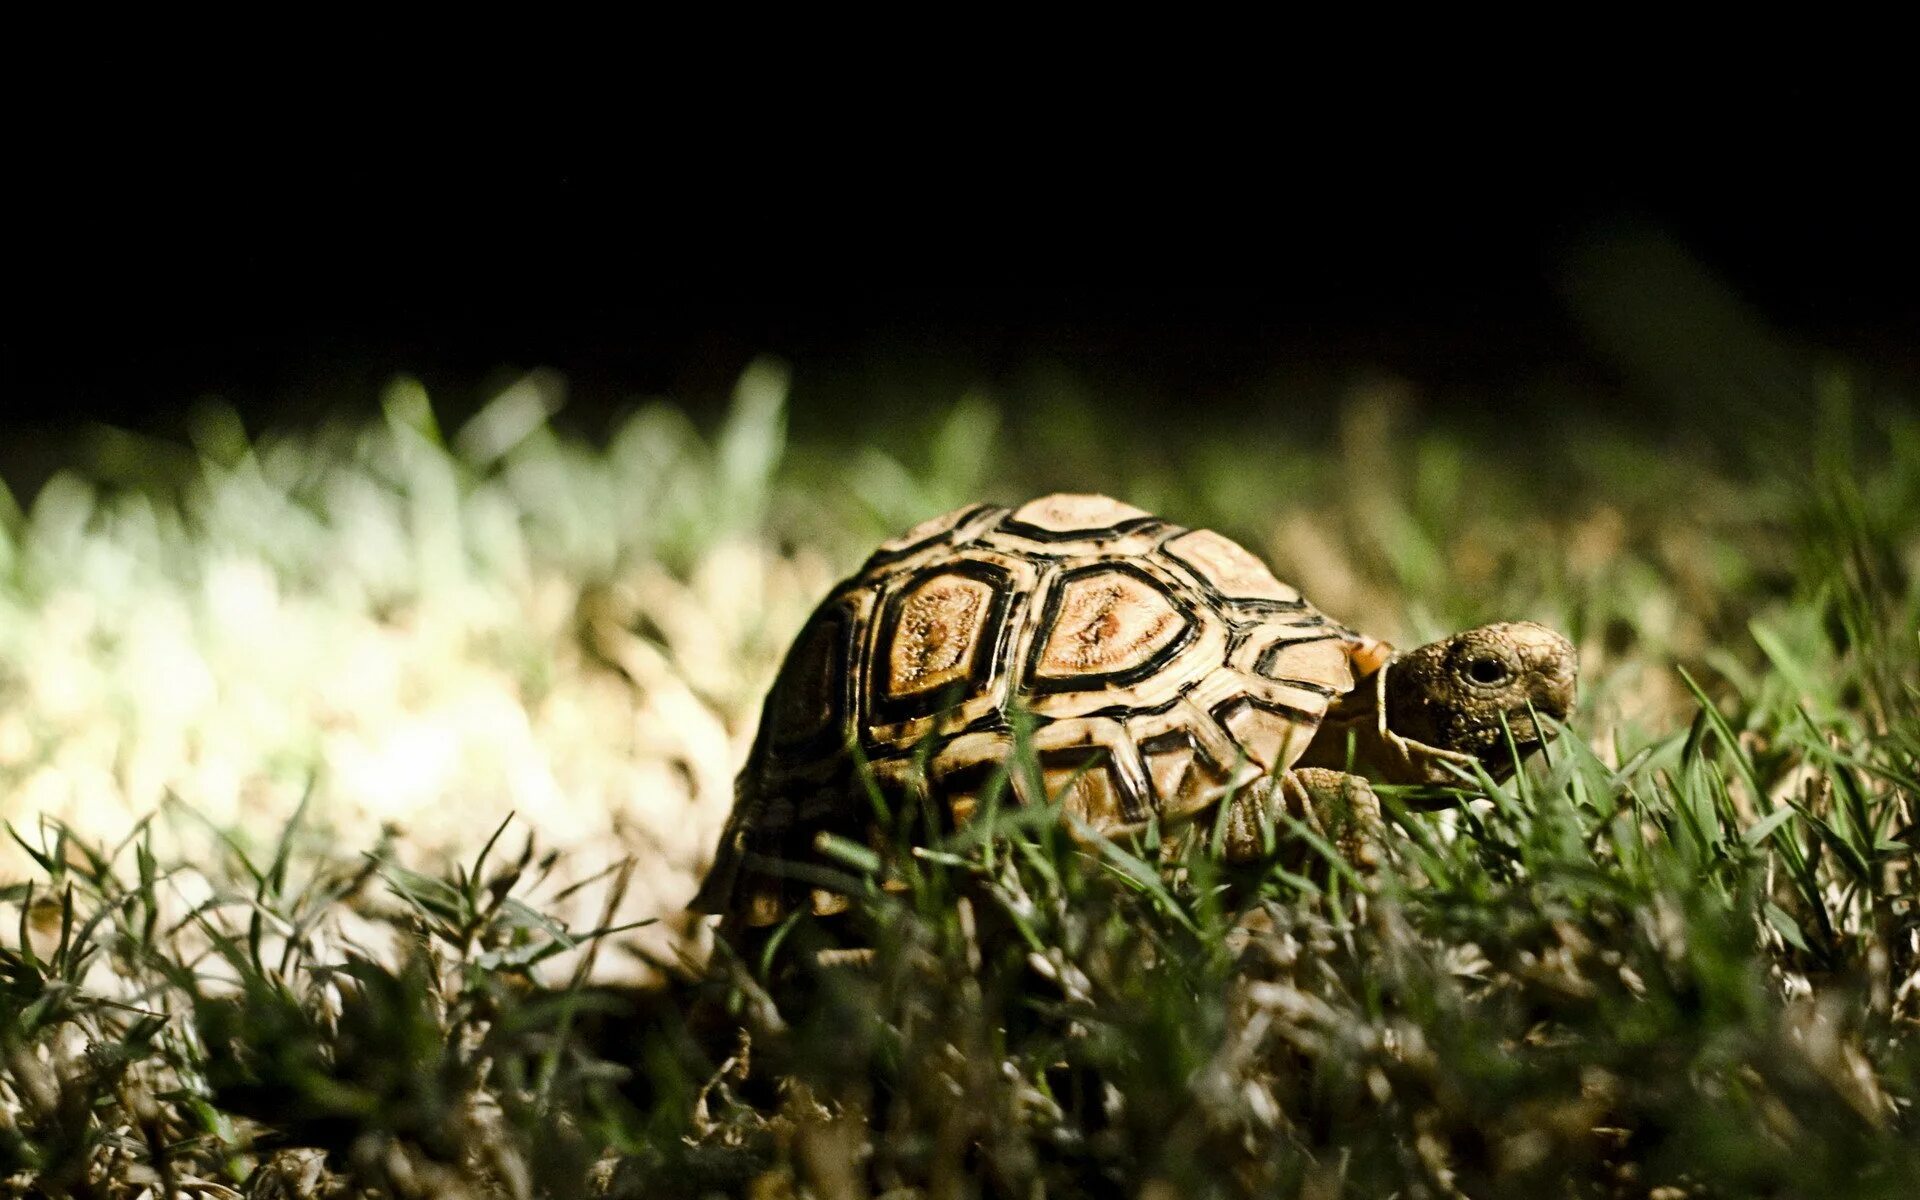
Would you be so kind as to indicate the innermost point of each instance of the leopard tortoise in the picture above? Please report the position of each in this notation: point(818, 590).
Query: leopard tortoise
point(1162, 668)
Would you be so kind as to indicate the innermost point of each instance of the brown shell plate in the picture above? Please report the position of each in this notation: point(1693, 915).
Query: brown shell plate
point(1159, 666)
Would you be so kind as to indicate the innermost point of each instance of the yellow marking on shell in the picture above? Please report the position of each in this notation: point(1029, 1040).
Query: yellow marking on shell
point(938, 635)
point(1229, 567)
point(1325, 663)
point(1271, 740)
point(1170, 771)
point(1086, 790)
point(1213, 740)
point(1129, 769)
point(1066, 511)
point(1108, 622)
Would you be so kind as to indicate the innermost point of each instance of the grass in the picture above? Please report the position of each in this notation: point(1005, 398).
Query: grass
point(264, 706)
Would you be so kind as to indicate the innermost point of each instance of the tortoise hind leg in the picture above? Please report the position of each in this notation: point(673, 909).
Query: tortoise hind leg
point(1339, 807)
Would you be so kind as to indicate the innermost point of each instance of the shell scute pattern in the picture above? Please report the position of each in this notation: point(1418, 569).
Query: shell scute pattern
point(940, 630)
point(1228, 568)
point(1160, 666)
point(1105, 624)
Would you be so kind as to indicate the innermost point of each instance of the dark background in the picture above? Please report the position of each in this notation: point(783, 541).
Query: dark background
point(1207, 276)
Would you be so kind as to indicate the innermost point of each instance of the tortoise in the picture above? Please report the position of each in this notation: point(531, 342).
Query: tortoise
point(1160, 669)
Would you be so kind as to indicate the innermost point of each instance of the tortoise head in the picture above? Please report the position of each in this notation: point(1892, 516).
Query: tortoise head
point(1456, 694)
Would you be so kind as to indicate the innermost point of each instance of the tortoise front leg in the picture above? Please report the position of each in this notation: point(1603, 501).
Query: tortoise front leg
point(1339, 807)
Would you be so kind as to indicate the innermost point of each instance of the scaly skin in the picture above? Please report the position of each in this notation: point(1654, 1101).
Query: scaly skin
point(1452, 693)
point(1422, 717)
point(1429, 715)
point(1341, 808)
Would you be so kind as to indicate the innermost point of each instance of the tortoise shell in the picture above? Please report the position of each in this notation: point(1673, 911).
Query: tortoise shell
point(1160, 667)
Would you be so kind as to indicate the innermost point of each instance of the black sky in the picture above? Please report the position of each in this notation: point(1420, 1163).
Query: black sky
point(136, 285)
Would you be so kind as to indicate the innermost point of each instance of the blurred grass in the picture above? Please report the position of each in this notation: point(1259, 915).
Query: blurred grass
point(1677, 959)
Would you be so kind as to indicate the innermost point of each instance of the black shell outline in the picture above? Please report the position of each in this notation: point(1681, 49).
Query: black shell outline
point(1036, 533)
point(1263, 666)
point(1248, 606)
point(829, 737)
point(1087, 681)
point(881, 558)
point(989, 651)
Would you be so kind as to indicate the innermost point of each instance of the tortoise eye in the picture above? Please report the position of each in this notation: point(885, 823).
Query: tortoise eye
point(1487, 670)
